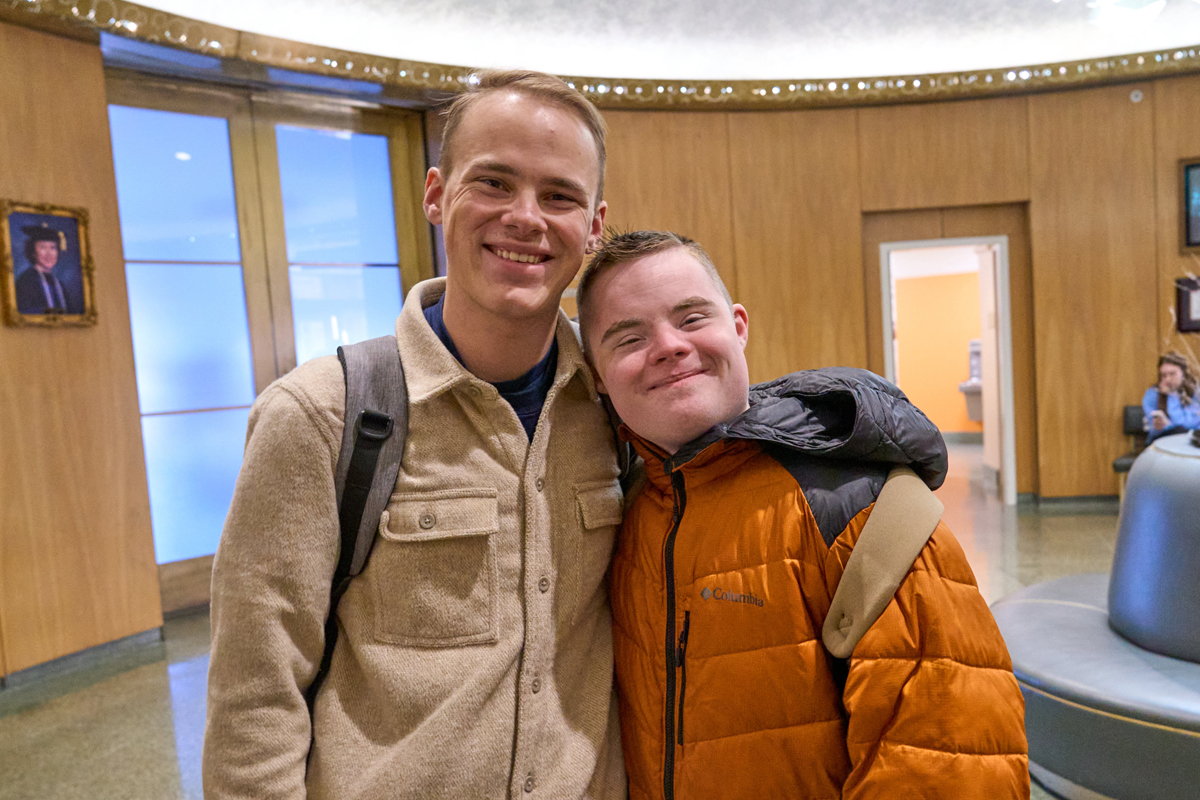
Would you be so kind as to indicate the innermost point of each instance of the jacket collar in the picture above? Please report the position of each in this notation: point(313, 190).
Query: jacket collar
point(430, 370)
point(836, 413)
point(845, 414)
point(706, 458)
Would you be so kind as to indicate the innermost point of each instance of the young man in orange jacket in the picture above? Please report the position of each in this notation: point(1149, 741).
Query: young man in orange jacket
point(731, 556)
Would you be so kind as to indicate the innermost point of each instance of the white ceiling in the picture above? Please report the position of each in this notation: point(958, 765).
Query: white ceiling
point(713, 39)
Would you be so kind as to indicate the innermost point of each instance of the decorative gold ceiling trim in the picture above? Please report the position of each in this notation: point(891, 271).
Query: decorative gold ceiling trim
point(159, 27)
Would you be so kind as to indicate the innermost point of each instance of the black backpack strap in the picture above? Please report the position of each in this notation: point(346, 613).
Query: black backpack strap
point(376, 426)
point(375, 388)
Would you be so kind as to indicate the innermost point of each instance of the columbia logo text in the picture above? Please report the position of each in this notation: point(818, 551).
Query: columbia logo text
point(730, 597)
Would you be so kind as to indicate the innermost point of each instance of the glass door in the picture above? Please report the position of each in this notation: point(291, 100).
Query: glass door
point(189, 317)
point(342, 199)
point(259, 232)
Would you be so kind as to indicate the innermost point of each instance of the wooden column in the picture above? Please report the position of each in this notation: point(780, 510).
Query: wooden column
point(1092, 222)
point(76, 554)
point(797, 229)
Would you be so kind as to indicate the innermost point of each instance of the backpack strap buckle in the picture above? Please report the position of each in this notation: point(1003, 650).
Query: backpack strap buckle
point(374, 425)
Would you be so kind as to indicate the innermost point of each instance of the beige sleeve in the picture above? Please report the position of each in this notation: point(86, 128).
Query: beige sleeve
point(270, 593)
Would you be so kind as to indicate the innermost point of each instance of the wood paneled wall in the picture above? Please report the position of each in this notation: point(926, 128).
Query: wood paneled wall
point(76, 555)
point(944, 154)
point(671, 172)
point(1095, 284)
point(1176, 136)
point(1084, 183)
point(754, 207)
point(796, 228)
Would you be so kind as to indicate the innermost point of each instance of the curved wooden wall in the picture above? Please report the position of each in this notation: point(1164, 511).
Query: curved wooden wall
point(76, 554)
point(793, 203)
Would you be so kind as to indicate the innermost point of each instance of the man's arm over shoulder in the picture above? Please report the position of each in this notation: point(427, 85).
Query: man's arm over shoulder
point(271, 587)
point(934, 710)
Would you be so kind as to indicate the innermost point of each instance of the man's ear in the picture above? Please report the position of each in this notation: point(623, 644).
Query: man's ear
point(597, 231)
point(596, 378)
point(435, 188)
point(741, 324)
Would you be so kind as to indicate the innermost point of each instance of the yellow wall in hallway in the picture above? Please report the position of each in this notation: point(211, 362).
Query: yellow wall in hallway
point(936, 318)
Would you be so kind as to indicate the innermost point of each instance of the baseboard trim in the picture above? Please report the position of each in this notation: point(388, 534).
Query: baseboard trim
point(1061, 787)
point(1082, 505)
point(185, 585)
point(83, 659)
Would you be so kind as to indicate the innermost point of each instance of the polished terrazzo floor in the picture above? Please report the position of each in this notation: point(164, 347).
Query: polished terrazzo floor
point(130, 727)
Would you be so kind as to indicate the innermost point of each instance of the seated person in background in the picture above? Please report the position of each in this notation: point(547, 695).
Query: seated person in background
point(730, 556)
point(1171, 406)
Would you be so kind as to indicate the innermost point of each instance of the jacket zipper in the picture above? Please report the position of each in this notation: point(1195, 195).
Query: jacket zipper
point(680, 503)
point(681, 663)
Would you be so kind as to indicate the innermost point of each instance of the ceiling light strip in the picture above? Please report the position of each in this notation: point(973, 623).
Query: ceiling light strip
point(159, 27)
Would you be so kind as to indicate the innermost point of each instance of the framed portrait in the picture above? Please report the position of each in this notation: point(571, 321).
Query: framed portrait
point(46, 268)
point(1187, 304)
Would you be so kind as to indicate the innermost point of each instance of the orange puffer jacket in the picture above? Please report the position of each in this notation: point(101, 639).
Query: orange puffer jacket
point(727, 563)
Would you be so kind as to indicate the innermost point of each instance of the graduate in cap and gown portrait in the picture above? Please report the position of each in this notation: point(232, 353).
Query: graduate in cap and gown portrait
point(38, 289)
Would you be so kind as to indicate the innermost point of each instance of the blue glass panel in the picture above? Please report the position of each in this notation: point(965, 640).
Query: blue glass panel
point(174, 186)
point(321, 82)
point(191, 340)
point(192, 463)
point(332, 306)
point(119, 51)
point(337, 196)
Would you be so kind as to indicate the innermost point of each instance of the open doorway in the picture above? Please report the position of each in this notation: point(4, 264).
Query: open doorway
point(948, 341)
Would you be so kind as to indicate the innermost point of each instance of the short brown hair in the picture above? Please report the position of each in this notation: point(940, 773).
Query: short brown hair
point(537, 85)
point(625, 248)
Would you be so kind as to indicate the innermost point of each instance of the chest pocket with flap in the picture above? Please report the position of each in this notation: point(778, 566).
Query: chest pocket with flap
point(435, 569)
point(599, 503)
point(591, 543)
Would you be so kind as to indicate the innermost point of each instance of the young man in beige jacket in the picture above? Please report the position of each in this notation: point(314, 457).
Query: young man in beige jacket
point(474, 658)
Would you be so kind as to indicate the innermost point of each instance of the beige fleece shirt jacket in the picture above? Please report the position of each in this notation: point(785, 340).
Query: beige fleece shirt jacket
point(474, 657)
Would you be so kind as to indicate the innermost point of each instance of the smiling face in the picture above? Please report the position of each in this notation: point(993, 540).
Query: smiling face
point(46, 254)
point(667, 348)
point(519, 207)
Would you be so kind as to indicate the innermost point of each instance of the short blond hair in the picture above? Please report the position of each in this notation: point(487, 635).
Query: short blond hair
point(625, 248)
point(537, 85)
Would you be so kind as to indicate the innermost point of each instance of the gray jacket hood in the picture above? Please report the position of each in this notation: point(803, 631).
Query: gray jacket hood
point(846, 414)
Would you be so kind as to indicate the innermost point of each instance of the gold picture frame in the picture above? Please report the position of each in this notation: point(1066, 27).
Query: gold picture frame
point(63, 294)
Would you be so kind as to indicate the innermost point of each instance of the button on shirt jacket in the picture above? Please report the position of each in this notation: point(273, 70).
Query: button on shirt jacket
point(475, 653)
